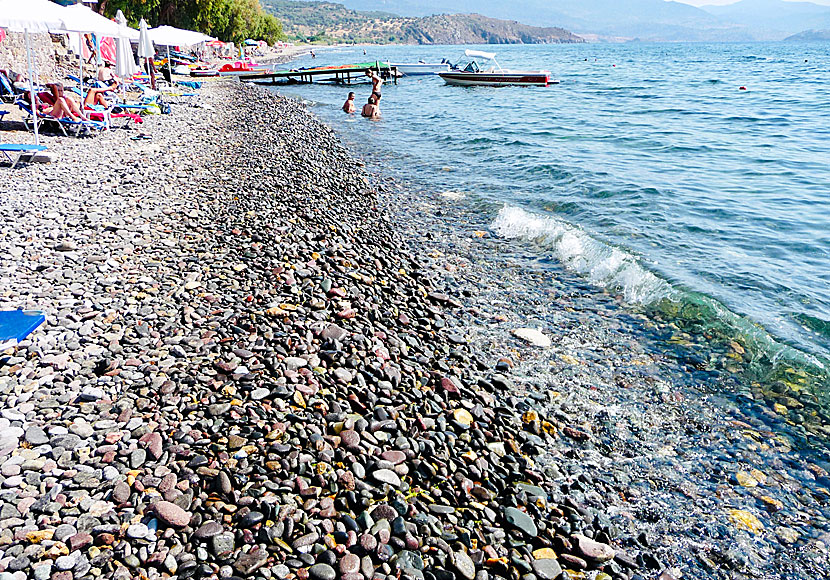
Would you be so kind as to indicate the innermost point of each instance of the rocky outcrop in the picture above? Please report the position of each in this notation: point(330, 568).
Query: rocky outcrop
point(13, 53)
point(478, 29)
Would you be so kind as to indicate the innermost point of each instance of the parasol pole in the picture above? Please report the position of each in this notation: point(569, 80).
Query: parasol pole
point(31, 83)
point(81, 44)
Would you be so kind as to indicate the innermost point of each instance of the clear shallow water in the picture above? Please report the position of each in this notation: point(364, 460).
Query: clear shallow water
point(647, 170)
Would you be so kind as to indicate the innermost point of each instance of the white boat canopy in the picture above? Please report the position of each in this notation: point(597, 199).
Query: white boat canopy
point(480, 54)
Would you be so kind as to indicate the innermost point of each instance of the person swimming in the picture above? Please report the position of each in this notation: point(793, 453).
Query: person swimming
point(371, 109)
point(349, 106)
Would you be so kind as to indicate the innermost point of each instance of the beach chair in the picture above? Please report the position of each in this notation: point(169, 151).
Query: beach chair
point(16, 152)
point(8, 93)
point(15, 325)
point(77, 128)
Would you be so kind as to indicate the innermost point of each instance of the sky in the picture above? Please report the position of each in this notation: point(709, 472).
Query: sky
point(721, 2)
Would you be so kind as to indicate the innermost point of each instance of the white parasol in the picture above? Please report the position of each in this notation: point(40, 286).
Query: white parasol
point(125, 66)
point(27, 17)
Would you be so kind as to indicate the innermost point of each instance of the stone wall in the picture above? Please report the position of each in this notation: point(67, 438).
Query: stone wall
point(48, 49)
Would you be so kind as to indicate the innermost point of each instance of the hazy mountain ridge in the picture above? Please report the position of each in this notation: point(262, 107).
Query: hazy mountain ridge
point(635, 19)
point(328, 21)
point(774, 19)
point(810, 36)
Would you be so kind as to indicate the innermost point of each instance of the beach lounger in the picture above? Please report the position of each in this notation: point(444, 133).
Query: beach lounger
point(15, 325)
point(15, 152)
point(66, 126)
point(7, 91)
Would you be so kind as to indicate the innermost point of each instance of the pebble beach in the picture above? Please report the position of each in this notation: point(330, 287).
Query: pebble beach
point(255, 365)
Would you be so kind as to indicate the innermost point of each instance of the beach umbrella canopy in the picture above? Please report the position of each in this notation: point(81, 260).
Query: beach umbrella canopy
point(125, 66)
point(27, 17)
point(145, 44)
point(79, 18)
point(30, 16)
point(172, 36)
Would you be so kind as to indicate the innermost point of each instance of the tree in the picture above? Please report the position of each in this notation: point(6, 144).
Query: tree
point(230, 20)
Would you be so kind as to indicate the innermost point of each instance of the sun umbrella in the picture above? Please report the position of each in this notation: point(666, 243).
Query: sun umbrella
point(125, 66)
point(172, 36)
point(81, 19)
point(27, 17)
point(146, 49)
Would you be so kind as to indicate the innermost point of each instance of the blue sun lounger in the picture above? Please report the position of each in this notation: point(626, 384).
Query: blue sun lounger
point(15, 325)
point(22, 150)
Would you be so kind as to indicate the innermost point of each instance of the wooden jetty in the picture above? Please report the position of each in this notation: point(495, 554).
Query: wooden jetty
point(343, 74)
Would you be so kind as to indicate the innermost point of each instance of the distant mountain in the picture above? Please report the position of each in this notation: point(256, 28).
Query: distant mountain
point(330, 22)
point(773, 19)
point(810, 36)
point(641, 19)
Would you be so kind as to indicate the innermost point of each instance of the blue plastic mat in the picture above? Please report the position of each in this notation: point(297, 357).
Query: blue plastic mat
point(18, 324)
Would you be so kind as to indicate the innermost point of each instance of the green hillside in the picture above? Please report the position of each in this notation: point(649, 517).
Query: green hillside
point(333, 23)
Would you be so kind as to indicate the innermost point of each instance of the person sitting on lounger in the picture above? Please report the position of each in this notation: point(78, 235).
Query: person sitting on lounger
point(94, 97)
point(48, 106)
point(72, 101)
point(106, 76)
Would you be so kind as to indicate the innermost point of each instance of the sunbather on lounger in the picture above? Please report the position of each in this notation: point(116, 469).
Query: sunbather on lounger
point(73, 101)
point(106, 76)
point(95, 97)
point(47, 106)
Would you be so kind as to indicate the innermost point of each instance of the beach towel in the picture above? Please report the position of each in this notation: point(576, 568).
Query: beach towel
point(15, 325)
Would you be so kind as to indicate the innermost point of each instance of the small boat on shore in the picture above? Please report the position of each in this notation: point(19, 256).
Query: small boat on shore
point(468, 73)
point(420, 68)
point(242, 67)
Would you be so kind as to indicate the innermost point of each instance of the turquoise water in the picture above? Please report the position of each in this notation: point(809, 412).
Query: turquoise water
point(647, 170)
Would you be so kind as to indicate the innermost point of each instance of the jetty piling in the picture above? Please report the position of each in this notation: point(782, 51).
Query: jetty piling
point(346, 74)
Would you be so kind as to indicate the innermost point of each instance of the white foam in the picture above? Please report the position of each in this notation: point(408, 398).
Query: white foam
point(453, 195)
point(603, 265)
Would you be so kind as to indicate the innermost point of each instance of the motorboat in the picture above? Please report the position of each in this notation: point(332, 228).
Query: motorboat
point(468, 73)
point(420, 68)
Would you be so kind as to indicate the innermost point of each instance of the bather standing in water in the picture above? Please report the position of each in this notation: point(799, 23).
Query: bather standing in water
point(376, 84)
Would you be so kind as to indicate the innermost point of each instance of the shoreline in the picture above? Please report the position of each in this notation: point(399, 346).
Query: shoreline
point(249, 342)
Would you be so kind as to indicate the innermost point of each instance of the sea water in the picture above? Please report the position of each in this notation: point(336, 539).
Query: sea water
point(692, 180)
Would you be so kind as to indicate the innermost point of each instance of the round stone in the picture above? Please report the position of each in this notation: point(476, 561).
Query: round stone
point(349, 564)
point(322, 572)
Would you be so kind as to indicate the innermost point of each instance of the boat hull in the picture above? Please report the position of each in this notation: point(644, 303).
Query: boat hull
point(420, 68)
point(465, 79)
